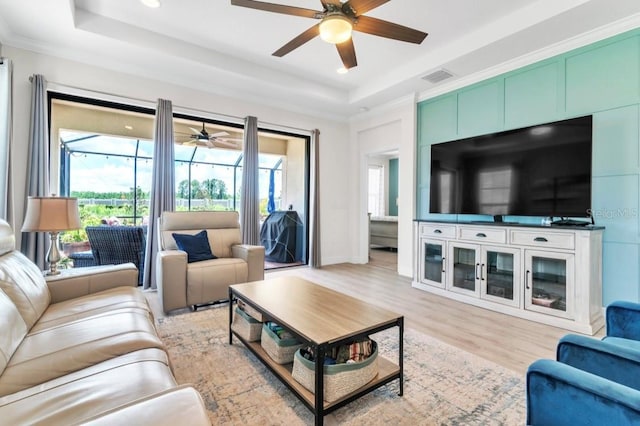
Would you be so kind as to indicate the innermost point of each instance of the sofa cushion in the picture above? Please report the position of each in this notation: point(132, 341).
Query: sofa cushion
point(223, 229)
point(7, 238)
point(104, 302)
point(12, 330)
point(83, 394)
point(209, 280)
point(79, 282)
point(25, 285)
point(53, 352)
point(197, 246)
point(179, 406)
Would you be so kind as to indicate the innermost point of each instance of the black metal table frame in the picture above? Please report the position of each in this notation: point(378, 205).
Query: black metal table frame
point(319, 348)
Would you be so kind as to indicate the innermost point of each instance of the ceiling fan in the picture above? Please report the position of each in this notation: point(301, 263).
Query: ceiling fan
point(210, 140)
point(337, 21)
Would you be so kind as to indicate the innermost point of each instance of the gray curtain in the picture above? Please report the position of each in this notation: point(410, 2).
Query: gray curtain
point(35, 244)
point(249, 205)
point(314, 201)
point(6, 110)
point(163, 196)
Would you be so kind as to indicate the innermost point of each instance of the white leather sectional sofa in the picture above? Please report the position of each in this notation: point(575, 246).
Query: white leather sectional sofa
point(83, 348)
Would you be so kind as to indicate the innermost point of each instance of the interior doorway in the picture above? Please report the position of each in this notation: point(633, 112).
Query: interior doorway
point(382, 209)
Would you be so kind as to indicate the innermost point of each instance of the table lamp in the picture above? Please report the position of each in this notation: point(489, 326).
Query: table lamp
point(52, 215)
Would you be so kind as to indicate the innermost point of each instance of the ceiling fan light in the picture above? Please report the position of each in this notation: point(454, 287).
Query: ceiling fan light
point(335, 29)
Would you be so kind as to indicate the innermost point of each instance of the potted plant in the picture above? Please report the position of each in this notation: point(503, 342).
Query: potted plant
point(77, 240)
point(74, 241)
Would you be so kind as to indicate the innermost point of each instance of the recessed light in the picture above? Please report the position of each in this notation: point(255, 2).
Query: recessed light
point(128, 127)
point(342, 70)
point(151, 3)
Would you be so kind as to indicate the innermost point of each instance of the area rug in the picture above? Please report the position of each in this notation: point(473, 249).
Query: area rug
point(443, 385)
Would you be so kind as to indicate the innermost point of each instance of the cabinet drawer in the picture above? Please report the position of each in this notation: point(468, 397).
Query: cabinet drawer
point(543, 239)
point(483, 235)
point(437, 231)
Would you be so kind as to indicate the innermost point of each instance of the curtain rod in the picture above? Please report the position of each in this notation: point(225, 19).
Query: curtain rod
point(153, 103)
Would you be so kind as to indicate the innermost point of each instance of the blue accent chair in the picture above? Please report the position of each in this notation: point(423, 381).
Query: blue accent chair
point(592, 382)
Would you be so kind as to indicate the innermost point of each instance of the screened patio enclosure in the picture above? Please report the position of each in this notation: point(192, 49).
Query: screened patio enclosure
point(104, 170)
point(103, 156)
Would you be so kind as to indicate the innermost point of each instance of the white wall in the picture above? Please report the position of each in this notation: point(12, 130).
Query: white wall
point(78, 78)
point(391, 127)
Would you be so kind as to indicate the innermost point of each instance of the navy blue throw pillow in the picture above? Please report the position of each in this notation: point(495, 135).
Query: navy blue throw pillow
point(197, 246)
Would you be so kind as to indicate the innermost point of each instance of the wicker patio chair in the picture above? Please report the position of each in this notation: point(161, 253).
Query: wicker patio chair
point(112, 245)
point(82, 259)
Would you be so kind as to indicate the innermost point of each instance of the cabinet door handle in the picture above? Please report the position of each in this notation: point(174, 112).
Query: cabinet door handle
point(482, 272)
point(526, 280)
point(443, 263)
point(437, 231)
point(540, 239)
point(477, 266)
point(481, 235)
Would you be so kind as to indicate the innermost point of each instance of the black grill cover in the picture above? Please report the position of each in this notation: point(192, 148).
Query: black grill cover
point(278, 236)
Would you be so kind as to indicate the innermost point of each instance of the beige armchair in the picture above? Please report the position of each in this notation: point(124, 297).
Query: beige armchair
point(182, 284)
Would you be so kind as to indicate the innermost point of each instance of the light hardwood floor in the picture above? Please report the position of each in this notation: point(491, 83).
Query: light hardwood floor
point(508, 341)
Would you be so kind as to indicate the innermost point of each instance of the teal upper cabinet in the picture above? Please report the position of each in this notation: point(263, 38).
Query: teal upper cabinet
point(603, 78)
point(533, 96)
point(438, 120)
point(615, 142)
point(480, 109)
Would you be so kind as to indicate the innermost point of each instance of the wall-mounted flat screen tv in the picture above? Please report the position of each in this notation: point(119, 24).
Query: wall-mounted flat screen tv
point(542, 170)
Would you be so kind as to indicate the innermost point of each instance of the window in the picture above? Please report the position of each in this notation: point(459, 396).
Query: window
point(102, 153)
point(376, 191)
point(110, 176)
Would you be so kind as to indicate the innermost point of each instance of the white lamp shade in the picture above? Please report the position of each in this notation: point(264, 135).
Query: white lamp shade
point(335, 29)
point(51, 214)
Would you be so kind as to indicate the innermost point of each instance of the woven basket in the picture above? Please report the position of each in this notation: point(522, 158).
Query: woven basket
point(246, 326)
point(339, 379)
point(280, 350)
point(250, 310)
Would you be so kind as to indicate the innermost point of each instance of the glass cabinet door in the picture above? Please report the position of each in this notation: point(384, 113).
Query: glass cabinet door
point(549, 283)
point(433, 262)
point(465, 268)
point(499, 275)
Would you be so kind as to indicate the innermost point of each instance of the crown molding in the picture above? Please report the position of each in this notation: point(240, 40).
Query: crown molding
point(619, 27)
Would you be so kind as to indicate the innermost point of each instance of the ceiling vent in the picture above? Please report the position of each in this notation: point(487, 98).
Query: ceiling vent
point(437, 76)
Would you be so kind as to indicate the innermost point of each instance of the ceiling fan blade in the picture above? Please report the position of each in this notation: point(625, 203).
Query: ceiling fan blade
point(189, 143)
point(333, 2)
point(194, 130)
point(360, 7)
point(378, 27)
point(218, 134)
point(225, 143)
point(347, 53)
point(277, 8)
point(298, 41)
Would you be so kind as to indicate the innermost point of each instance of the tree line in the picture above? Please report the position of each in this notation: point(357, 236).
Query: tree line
point(213, 189)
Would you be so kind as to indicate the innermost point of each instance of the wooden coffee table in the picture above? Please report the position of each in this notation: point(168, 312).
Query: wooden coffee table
point(323, 318)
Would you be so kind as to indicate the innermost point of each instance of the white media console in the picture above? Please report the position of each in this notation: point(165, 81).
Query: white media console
point(551, 275)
